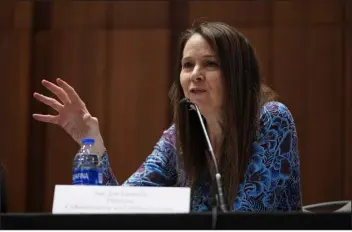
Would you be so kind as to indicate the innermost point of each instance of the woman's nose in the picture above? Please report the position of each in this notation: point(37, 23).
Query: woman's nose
point(197, 75)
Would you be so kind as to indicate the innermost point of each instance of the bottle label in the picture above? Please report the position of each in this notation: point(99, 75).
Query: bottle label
point(87, 176)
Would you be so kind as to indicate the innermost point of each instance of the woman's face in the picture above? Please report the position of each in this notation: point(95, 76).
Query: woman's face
point(201, 77)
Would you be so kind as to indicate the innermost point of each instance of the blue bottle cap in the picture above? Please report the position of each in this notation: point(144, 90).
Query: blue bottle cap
point(87, 141)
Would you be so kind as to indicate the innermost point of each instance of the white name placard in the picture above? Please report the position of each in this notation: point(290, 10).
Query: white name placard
point(73, 199)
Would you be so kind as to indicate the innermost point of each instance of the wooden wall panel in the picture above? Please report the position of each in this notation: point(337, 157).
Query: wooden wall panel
point(15, 33)
point(348, 13)
point(6, 14)
point(138, 101)
point(323, 123)
point(41, 64)
point(236, 13)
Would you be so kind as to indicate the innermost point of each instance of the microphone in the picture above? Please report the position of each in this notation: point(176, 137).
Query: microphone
point(192, 106)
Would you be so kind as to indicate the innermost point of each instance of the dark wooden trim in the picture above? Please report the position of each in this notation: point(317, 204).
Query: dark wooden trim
point(41, 19)
point(347, 100)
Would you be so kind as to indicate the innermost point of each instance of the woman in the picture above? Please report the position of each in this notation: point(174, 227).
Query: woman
point(253, 136)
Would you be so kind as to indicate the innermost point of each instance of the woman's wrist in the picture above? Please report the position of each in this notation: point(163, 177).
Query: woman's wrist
point(94, 133)
point(99, 146)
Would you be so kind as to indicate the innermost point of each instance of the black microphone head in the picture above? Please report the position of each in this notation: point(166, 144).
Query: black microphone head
point(185, 102)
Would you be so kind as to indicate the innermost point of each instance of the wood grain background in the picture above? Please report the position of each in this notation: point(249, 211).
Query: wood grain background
point(120, 57)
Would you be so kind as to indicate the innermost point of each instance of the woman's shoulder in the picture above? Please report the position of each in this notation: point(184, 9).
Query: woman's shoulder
point(275, 116)
point(168, 139)
point(275, 108)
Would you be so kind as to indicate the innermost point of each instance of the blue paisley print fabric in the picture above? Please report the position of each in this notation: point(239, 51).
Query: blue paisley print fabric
point(272, 179)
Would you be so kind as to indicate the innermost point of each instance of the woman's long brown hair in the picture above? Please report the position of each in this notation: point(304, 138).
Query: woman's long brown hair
point(244, 95)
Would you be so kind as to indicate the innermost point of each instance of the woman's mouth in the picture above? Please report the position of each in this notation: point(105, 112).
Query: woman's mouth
point(197, 91)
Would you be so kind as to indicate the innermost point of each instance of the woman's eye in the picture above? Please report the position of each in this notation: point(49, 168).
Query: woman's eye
point(212, 64)
point(187, 65)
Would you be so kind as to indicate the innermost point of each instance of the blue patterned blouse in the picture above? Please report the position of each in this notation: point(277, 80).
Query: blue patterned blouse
point(272, 179)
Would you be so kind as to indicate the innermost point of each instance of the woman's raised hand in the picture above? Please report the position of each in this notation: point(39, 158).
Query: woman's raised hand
point(72, 116)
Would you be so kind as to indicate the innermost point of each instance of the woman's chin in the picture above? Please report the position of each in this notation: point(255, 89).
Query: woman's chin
point(198, 100)
point(203, 108)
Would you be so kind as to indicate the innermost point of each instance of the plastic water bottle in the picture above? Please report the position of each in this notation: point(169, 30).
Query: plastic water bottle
point(87, 166)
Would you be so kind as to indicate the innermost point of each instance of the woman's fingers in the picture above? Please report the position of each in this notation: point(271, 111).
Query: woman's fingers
point(46, 118)
point(59, 92)
point(74, 97)
point(53, 103)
